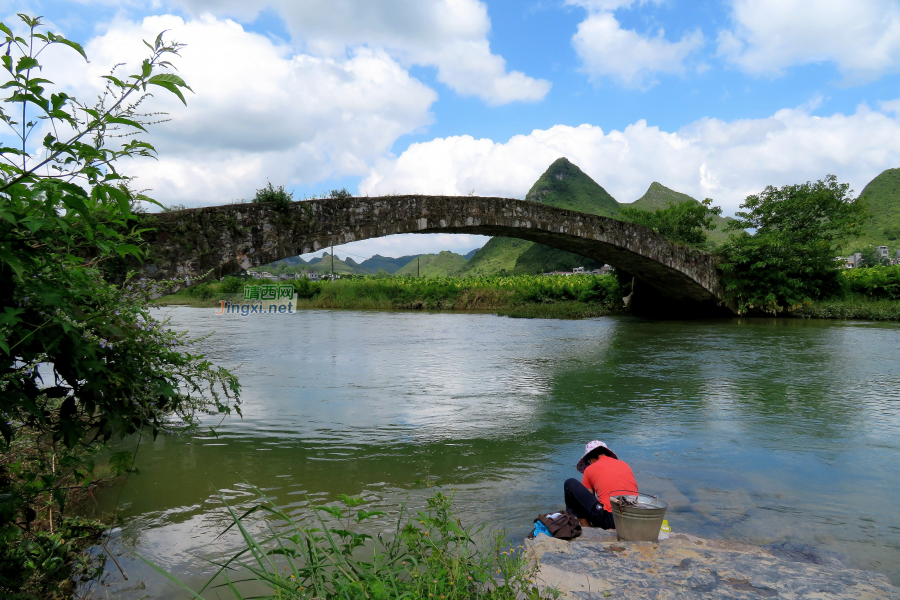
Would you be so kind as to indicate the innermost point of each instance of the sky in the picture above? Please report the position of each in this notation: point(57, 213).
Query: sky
point(713, 99)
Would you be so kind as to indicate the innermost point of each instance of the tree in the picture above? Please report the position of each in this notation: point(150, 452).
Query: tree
point(789, 260)
point(683, 222)
point(82, 360)
point(872, 258)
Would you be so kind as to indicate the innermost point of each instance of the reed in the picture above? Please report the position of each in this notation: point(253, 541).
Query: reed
point(429, 555)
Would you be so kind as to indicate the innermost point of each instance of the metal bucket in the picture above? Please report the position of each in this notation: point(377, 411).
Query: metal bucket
point(638, 517)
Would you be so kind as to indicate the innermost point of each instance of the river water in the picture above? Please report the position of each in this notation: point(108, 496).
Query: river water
point(777, 432)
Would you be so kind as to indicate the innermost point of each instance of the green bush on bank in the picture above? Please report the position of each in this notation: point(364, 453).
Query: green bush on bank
point(430, 555)
point(858, 307)
point(875, 282)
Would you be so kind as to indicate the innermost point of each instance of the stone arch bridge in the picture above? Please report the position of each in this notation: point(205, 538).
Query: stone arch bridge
point(211, 242)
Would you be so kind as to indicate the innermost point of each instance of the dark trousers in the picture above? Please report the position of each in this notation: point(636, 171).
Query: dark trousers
point(584, 505)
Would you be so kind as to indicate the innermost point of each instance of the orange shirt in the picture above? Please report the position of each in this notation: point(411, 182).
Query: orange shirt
point(608, 475)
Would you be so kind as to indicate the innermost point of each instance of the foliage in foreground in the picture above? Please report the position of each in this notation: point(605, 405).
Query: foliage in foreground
point(430, 555)
point(789, 259)
point(81, 358)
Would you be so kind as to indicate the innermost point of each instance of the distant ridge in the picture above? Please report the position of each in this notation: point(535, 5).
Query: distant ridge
point(434, 265)
point(386, 263)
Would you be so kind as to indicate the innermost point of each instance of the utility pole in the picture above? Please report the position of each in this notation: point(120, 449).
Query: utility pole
point(332, 262)
point(418, 267)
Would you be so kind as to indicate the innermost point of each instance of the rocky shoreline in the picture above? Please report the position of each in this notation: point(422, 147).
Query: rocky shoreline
point(597, 566)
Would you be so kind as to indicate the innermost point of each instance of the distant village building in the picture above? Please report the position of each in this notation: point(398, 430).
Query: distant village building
point(256, 275)
point(604, 270)
point(883, 251)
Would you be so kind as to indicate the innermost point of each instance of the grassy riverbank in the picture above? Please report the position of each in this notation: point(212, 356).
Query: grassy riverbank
point(522, 296)
point(865, 309)
point(576, 296)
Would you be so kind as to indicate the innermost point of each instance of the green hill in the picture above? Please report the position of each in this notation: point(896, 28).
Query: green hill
point(544, 259)
point(659, 196)
point(434, 265)
point(499, 254)
point(564, 185)
point(386, 263)
point(323, 265)
point(881, 198)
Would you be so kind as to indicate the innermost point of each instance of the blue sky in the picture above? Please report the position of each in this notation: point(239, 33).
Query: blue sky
point(714, 99)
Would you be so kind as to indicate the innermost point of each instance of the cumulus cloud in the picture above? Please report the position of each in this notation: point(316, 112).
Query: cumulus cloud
point(259, 109)
point(607, 50)
point(861, 37)
point(726, 161)
point(450, 35)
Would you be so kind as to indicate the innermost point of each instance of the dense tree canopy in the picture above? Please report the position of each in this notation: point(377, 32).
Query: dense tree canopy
point(789, 258)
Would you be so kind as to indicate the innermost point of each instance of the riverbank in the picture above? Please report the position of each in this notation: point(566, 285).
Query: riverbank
point(523, 296)
point(531, 297)
point(861, 308)
point(596, 565)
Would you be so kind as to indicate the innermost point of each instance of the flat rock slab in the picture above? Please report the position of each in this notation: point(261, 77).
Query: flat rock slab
point(597, 566)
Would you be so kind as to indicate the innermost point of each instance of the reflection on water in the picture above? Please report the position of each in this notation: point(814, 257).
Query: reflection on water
point(774, 432)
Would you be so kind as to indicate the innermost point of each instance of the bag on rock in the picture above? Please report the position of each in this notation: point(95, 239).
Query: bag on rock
point(564, 525)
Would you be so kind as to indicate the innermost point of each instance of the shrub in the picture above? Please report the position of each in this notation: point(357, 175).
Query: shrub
point(232, 285)
point(304, 288)
point(340, 194)
point(277, 197)
point(875, 282)
point(202, 291)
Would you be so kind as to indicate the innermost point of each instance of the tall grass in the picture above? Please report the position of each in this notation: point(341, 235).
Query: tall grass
point(429, 555)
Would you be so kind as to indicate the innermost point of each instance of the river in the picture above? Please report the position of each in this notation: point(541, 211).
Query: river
point(778, 432)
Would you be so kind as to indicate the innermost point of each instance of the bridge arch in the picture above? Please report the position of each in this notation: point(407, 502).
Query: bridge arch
point(220, 240)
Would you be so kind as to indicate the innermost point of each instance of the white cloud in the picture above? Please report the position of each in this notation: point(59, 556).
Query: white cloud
point(607, 50)
point(708, 158)
point(862, 37)
point(448, 34)
point(259, 110)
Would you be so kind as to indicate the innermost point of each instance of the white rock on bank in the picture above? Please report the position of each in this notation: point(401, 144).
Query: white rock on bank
point(686, 567)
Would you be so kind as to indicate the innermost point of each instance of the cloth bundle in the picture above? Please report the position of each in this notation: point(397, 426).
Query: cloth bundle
point(564, 526)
